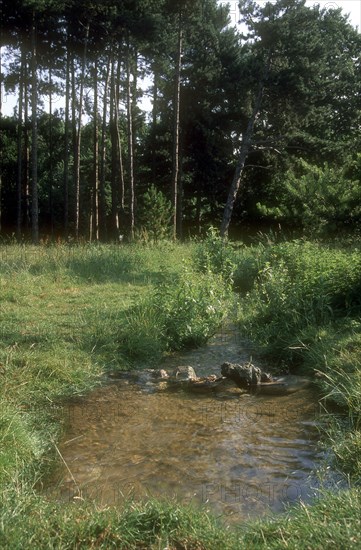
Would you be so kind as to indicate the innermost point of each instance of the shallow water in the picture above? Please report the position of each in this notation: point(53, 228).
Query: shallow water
point(237, 454)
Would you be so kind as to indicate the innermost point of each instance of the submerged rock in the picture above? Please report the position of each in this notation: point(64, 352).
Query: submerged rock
point(208, 383)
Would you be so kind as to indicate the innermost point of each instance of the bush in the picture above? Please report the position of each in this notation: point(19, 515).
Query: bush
point(155, 214)
point(180, 313)
point(191, 309)
point(216, 255)
point(320, 200)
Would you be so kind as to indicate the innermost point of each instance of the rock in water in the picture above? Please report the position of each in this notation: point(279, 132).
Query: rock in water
point(245, 376)
point(182, 374)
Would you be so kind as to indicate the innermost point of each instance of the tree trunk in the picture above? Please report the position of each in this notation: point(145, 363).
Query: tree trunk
point(102, 202)
point(1, 145)
point(245, 148)
point(27, 150)
point(34, 138)
point(154, 123)
point(51, 152)
point(119, 142)
point(96, 155)
point(113, 168)
point(176, 127)
point(66, 144)
point(130, 147)
point(74, 138)
point(78, 137)
point(117, 171)
point(19, 182)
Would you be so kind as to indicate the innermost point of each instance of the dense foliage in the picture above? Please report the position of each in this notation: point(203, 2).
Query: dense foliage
point(82, 156)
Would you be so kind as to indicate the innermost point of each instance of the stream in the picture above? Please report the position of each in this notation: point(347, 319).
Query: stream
point(236, 454)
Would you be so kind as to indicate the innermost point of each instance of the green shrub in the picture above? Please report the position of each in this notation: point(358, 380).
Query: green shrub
point(320, 200)
point(300, 285)
point(192, 308)
point(181, 312)
point(215, 255)
point(155, 214)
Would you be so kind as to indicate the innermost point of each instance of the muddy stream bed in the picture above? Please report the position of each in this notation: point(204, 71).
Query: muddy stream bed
point(237, 455)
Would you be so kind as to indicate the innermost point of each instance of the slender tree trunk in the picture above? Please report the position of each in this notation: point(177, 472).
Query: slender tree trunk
point(154, 123)
point(180, 198)
point(51, 153)
point(96, 155)
point(34, 138)
point(117, 170)
point(66, 144)
point(199, 209)
point(114, 164)
point(130, 146)
point(102, 204)
point(78, 136)
point(176, 127)
point(119, 141)
point(27, 149)
point(1, 145)
point(74, 134)
point(19, 182)
point(245, 148)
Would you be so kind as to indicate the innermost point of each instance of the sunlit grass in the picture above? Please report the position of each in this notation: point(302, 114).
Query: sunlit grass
point(61, 310)
point(332, 522)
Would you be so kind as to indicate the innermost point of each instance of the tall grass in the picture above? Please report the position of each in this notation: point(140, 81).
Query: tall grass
point(300, 286)
point(303, 307)
point(182, 313)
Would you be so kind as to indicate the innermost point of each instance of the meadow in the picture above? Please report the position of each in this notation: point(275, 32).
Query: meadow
point(70, 315)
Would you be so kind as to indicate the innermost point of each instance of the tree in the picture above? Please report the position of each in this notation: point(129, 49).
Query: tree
point(318, 200)
point(303, 108)
point(223, 104)
point(34, 135)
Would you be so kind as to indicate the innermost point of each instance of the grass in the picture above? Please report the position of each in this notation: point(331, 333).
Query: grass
point(26, 520)
point(61, 312)
point(303, 308)
point(69, 314)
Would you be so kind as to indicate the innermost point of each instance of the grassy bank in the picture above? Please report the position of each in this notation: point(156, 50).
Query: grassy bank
point(65, 315)
point(70, 314)
point(303, 308)
point(333, 522)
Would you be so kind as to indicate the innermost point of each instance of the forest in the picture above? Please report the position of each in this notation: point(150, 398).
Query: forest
point(158, 118)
